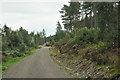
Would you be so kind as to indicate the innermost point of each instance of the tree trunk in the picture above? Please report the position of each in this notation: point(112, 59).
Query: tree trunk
point(119, 12)
point(95, 17)
point(119, 33)
point(91, 21)
point(85, 19)
point(119, 23)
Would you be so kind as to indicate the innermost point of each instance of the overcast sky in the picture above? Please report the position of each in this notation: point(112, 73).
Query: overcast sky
point(32, 15)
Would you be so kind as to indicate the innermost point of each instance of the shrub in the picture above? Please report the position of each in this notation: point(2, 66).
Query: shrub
point(84, 36)
point(52, 42)
point(22, 47)
point(100, 44)
point(70, 43)
point(32, 44)
point(111, 37)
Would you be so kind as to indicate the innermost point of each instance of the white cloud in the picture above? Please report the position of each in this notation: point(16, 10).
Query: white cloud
point(33, 16)
point(35, 0)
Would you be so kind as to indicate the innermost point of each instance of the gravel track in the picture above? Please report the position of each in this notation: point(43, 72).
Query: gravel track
point(38, 65)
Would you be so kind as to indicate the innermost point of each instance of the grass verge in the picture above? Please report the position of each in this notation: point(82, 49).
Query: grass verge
point(108, 70)
point(11, 61)
point(62, 67)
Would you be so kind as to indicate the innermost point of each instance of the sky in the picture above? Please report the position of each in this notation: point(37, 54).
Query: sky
point(32, 15)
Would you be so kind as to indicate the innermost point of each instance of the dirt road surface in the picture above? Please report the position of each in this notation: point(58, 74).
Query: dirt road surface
point(38, 65)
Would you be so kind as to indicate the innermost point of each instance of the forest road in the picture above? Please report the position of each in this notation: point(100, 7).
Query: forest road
point(38, 65)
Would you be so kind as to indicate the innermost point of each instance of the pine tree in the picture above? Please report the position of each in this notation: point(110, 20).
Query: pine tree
point(59, 27)
point(71, 15)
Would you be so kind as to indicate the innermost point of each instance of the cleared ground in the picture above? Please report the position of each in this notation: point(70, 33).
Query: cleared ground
point(38, 65)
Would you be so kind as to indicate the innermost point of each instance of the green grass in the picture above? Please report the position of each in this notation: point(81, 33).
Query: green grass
point(11, 61)
point(62, 67)
point(39, 47)
point(0, 69)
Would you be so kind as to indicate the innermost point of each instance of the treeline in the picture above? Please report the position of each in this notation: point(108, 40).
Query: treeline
point(89, 24)
point(90, 14)
point(17, 43)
